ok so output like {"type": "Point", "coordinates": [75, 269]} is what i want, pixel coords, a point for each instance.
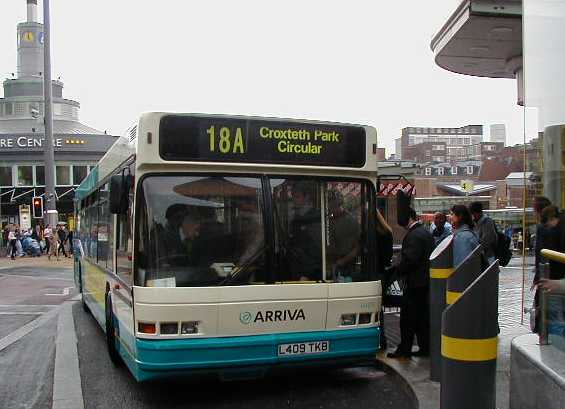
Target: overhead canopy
{"type": "Point", "coordinates": [482, 38]}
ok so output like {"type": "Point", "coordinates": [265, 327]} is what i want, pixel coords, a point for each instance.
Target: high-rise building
{"type": "Point", "coordinates": [498, 133]}
{"type": "Point", "coordinates": [78, 147]}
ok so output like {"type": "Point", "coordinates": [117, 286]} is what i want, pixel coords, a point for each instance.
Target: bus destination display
{"type": "Point", "coordinates": [221, 139]}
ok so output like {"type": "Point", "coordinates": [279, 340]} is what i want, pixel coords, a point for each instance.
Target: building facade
{"type": "Point", "coordinates": [77, 147]}
{"type": "Point", "coordinates": [455, 140]}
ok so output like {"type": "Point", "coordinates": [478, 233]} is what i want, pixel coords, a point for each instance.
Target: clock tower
{"type": "Point", "coordinates": [30, 44]}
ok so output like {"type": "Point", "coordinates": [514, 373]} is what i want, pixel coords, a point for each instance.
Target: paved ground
{"type": "Point", "coordinates": [30, 294]}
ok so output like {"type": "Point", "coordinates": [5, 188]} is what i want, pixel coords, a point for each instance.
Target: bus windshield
{"type": "Point", "coordinates": [224, 230]}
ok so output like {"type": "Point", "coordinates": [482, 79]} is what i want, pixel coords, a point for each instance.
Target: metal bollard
{"type": "Point", "coordinates": [469, 346]}
{"type": "Point", "coordinates": [465, 273]}
{"type": "Point", "coordinates": [441, 267]}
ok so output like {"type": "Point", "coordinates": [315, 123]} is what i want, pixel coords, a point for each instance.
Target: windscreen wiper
{"type": "Point", "coordinates": [244, 268]}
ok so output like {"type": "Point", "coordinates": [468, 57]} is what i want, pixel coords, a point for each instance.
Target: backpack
{"type": "Point", "coordinates": [502, 251]}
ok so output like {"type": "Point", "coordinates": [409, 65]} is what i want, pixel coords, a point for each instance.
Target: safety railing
{"type": "Point", "coordinates": [552, 301]}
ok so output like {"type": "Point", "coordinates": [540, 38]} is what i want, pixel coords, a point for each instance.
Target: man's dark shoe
{"type": "Point", "coordinates": [398, 354]}
{"type": "Point", "coordinates": [421, 353]}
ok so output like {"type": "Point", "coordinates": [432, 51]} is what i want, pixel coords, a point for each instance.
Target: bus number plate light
{"type": "Point", "coordinates": [189, 327]}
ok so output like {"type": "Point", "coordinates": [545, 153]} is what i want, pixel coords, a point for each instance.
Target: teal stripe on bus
{"type": "Point", "coordinates": [160, 358]}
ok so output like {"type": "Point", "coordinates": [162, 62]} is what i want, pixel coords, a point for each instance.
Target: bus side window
{"type": "Point", "coordinates": [124, 242]}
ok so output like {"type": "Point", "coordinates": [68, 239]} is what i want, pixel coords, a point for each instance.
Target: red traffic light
{"type": "Point", "coordinates": [37, 209]}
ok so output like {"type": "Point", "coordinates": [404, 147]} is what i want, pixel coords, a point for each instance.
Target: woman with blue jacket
{"type": "Point", "coordinates": [464, 238]}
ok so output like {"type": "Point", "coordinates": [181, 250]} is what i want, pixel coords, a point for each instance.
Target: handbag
{"type": "Point", "coordinates": [393, 290]}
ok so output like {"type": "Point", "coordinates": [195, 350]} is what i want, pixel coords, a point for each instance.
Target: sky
{"type": "Point", "coordinates": [366, 62]}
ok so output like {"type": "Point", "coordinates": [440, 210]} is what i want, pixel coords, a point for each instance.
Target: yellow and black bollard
{"type": "Point", "coordinates": [465, 273]}
{"type": "Point", "coordinates": [441, 267]}
{"type": "Point", "coordinates": [469, 346]}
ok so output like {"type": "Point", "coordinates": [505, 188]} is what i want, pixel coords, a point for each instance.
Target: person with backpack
{"type": "Point", "coordinates": [486, 230]}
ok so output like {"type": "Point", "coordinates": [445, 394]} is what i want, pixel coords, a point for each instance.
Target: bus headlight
{"type": "Point", "coordinates": [169, 328]}
{"type": "Point", "coordinates": [189, 327]}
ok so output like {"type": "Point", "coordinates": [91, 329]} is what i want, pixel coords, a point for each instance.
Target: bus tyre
{"type": "Point", "coordinates": [84, 304]}
{"type": "Point", "coordinates": [110, 333]}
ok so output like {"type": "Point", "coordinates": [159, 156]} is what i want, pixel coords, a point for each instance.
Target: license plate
{"type": "Point", "coordinates": [304, 348]}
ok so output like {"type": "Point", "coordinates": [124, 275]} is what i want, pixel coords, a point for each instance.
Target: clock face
{"type": "Point", "coordinates": [28, 36]}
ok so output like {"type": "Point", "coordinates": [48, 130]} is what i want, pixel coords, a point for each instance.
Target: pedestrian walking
{"type": "Point", "coordinates": [485, 229]}
{"type": "Point", "coordinates": [47, 233]}
{"type": "Point", "coordinates": [465, 240]}
{"type": "Point", "coordinates": [53, 247]}
{"type": "Point", "coordinates": [414, 265]}
{"type": "Point", "coordinates": [12, 239]}
{"type": "Point", "coordinates": [62, 237]}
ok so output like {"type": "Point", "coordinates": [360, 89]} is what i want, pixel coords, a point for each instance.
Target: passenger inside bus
{"type": "Point", "coordinates": [248, 230]}
{"type": "Point", "coordinates": [170, 250]}
{"type": "Point", "coordinates": [305, 245]}
{"type": "Point", "coordinates": [344, 239]}
{"type": "Point", "coordinates": [189, 232]}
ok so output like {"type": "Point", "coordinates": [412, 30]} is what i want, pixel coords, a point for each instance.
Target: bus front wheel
{"type": "Point", "coordinates": [111, 333]}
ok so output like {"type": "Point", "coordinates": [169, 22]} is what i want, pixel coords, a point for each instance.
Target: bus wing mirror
{"type": "Point", "coordinates": [402, 208]}
{"type": "Point", "coordinates": [118, 194]}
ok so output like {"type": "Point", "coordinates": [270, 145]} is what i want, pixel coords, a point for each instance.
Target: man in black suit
{"type": "Point", "coordinates": [414, 267]}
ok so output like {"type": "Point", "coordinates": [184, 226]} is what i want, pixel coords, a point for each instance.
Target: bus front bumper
{"type": "Point", "coordinates": [246, 354]}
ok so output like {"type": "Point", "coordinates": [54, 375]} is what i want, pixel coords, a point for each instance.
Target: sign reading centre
{"type": "Point", "coordinates": [26, 142]}
{"type": "Point", "coordinates": [202, 138]}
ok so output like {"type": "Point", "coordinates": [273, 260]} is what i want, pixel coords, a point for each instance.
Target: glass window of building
{"type": "Point", "coordinates": [428, 171]}
{"type": "Point", "coordinates": [6, 176]}
{"type": "Point", "coordinates": [440, 171]}
{"type": "Point", "coordinates": [454, 170]}
{"type": "Point", "coordinates": [40, 175]}
{"type": "Point", "coordinates": [25, 176]}
{"type": "Point", "coordinates": [63, 175]}
{"type": "Point", "coordinates": [79, 173]}
{"type": "Point", "coordinates": [469, 170]}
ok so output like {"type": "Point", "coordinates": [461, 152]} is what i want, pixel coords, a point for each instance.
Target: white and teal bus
{"type": "Point", "coordinates": [232, 245]}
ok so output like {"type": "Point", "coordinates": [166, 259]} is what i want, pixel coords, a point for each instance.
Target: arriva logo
{"type": "Point", "coordinates": [245, 317]}
{"type": "Point", "coordinates": [272, 316]}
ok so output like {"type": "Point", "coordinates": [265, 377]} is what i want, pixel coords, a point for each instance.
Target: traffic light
{"type": "Point", "coordinates": [37, 204]}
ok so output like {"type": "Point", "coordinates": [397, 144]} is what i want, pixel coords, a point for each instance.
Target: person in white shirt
{"type": "Point", "coordinates": [12, 239]}
{"type": "Point", "coordinates": [47, 233]}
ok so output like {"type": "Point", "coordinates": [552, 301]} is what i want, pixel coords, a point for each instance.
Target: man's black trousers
{"type": "Point", "coordinates": [415, 319]}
